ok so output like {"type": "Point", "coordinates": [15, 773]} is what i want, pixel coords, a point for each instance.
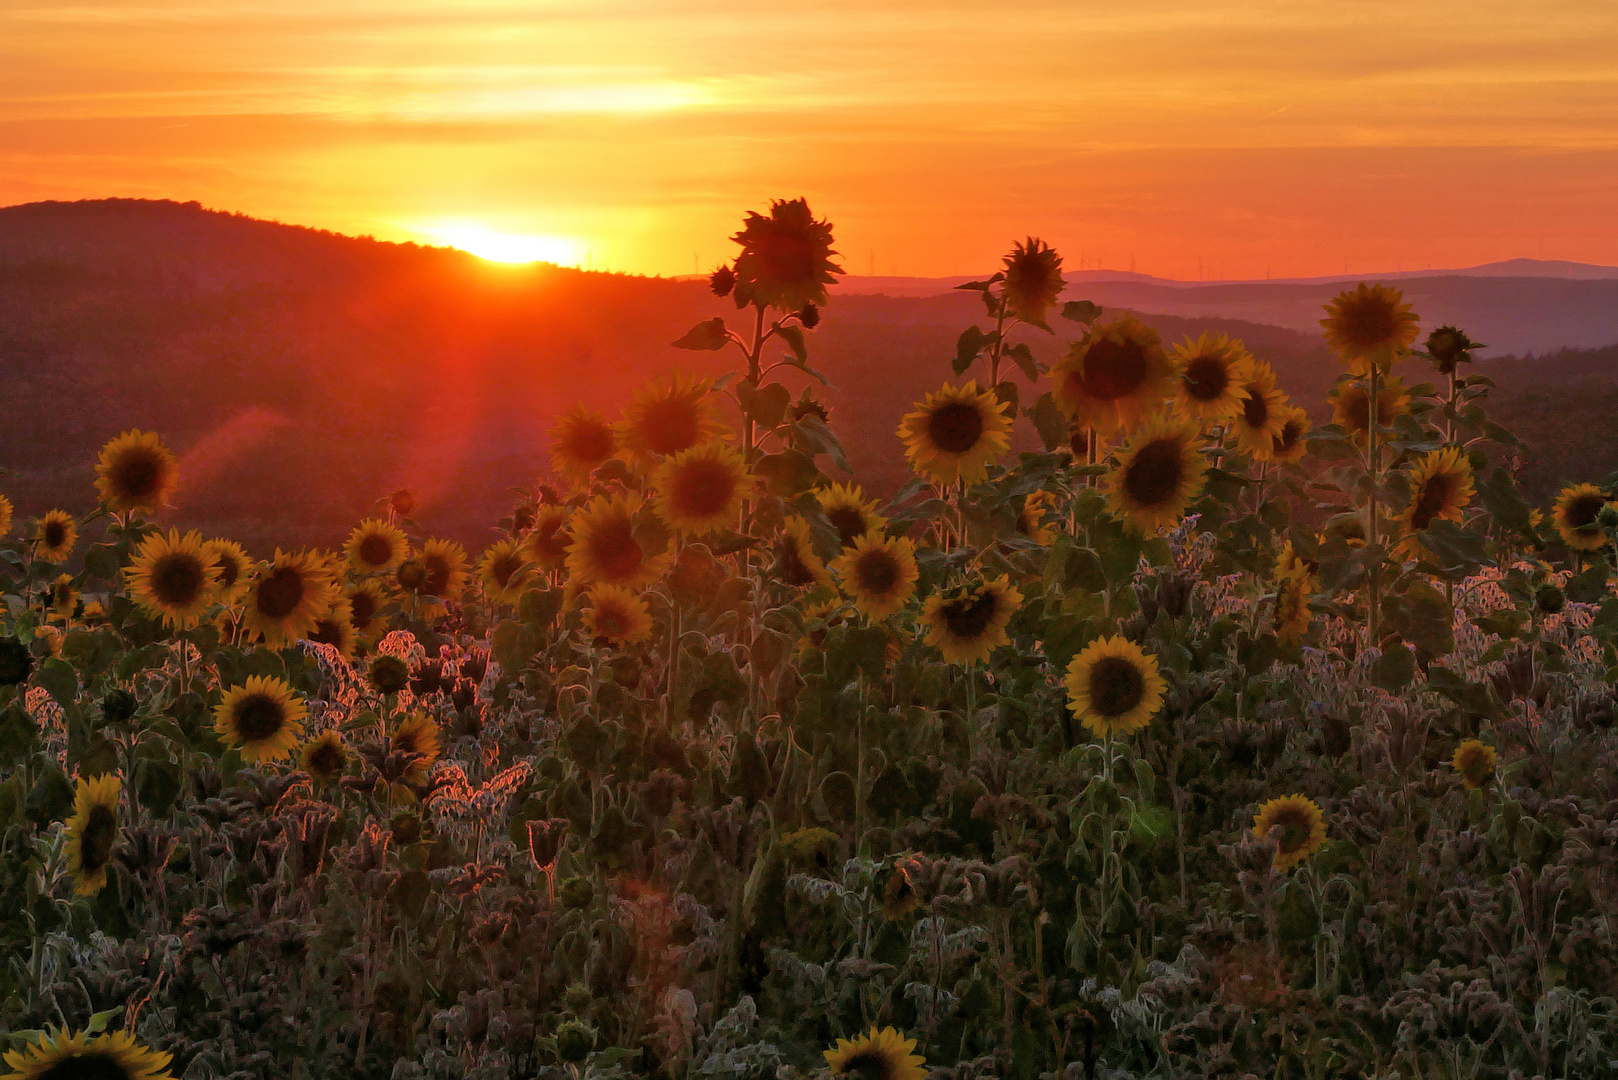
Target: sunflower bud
{"type": "Point", "coordinates": [401, 502]}
{"type": "Point", "coordinates": [721, 281]}
{"type": "Point", "coordinates": [388, 674]}
{"type": "Point", "coordinates": [574, 1042]}
{"type": "Point", "coordinates": [1607, 517]}
{"type": "Point", "coordinates": [1449, 346]}
{"type": "Point", "coordinates": [15, 662]}
{"type": "Point", "coordinates": [809, 316]}
{"type": "Point", "coordinates": [1550, 599]}
{"type": "Point", "coordinates": [118, 706]}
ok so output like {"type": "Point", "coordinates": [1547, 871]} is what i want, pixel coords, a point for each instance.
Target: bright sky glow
{"type": "Point", "coordinates": [502, 247]}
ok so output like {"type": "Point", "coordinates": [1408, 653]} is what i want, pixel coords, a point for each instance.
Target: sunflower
{"type": "Point", "coordinates": [1259, 421]}
{"type": "Point", "coordinates": [61, 1056]}
{"type": "Point", "coordinates": [700, 490]}
{"type": "Point", "coordinates": [336, 628]}
{"type": "Point", "coordinates": [262, 717]}
{"type": "Point", "coordinates": [1289, 444]}
{"type": "Point", "coordinates": [64, 599]}
{"type": "Point", "coordinates": [796, 562]}
{"type": "Point", "coordinates": [581, 441]}
{"type": "Point", "coordinates": [1575, 514]}
{"type": "Point", "coordinates": [899, 895]}
{"type": "Point", "coordinates": [1302, 825]}
{"type": "Point", "coordinates": [235, 568]}
{"type": "Point", "coordinates": [846, 507]}
{"type": "Point", "coordinates": [375, 546]}
{"type": "Point", "coordinates": [955, 433]}
{"type": "Point", "coordinates": [1291, 616]}
{"type": "Point", "coordinates": [1033, 280]}
{"type": "Point", "coordinates": [785, 262]}
{"type": "Point", "coordinates": [502, 570]}
{"type": "Point", "coordinates": [1369, 325]}
{"type": "Point", "coordinates": [285, 598]}
{"type": "Point", "coordinates": [173, 578]}
{"type": "Point", "coordinates": [618, 615]}
{"type": "Point", "coordinates": [325, 757]}
{"type": "Point", "coordinates": [1214, 372]}
{"type": "Point", "coordinates": [1114, 377]}
{"type": "Point", "coordinates": [878, 1055]}
{"type": "Point", "coordinates": [54, 536]}
{"type": "Point", "coordinates": [416, 736]}
{"type": "Point", "coordinates": [547, 542]}
{"type": "Point", "coordinates": [1475, 762]}
{"type": "Point", "coordinates": [1113, 686]}
{"type": "Point", "coordinates": [1158, 474]}
{"type": "Point", "coordinates": [968, 624]}
{"type": "Point", "coordinates": [1288, 563]}
{"type": "Point", "coordinates": [366, 599]}
{"type": "Point", "coordinates": [1351, 410]}
{"type": "Point", "coordinates": [1031, 519]}
{"type": "Point", "coordinates": [445, 564]}
{"type": "Point", "coordinates": [5, 516]}
{"type": "Point", "coordinates": [665, 419]}
{"type": "Point", "coordinates": [92, 831]}
{"type": "Point", "coordinates": [879, 573]}
{"type": "Point", "coordinates": [1440, 487]}
{"type": "Point", "coordinates": [136, 472]}
{"type": "Point", "coordinates": [605, 549]}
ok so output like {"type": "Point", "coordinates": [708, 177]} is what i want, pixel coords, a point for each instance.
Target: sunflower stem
{"type": "Point", "coordinates": [1374, 458]}
{"type": "Point", "coordinates": [971, 714]}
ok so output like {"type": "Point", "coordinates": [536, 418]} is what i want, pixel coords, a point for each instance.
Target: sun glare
{"type": "Point", "coordinates": [504, 247]}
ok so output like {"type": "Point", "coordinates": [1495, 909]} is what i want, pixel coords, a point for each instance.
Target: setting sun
{"type": "Point", "coordinates": [503, 247]}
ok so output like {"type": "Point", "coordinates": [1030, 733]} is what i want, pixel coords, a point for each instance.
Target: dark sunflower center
{"type": "Point", "coordinates": [969, 616]}
{"type": "Point", "coordinates": [280, 593]}
{"type": "Point", "coordinates": [328, 632]}
{"type": "Point", "coordinates": [1369, 322]}
{"type": "Point", "coordinates": [1433, 499]}
{"type": "Point", "coordinates": [867, 1065]}
{"type": "Point", "coordinates": [615, 549]}
{"type": "Point", "coordinates": [1153, 477]}
{"type": "Point", "coordinates": [548, 541]}
{"type": "Point", "coordinates": [1291, 432]}
{"type": "Point", "coordinates": [590, 443]}
{"type": "Point", "coordinates": [785, 258]}
{"type": "Point", "coordinates": [1582, 511]}
{"type": "Point", "coordinates": [1116, 686]}
{"type": "Point", "coordinates": [703, 488]}
{"type": "Point", "coordinates": [1295, 828]}
{"type": "Point", "coordinates": [790, 566]}
{"type": "Point", "coordinates": [178, 579]}
{"type": "Point", "coordinates": [363, 605]}
{"type": "Point", "coordinates": [55, 533]}
{"type": "Point", "coordinates": [1206, 378]}
{"type": "Point", "coordinates": [376, 550]}
{"type": "Point", "coordinates": [137, 474]}
{"type": "Point", "coordinates": [849, 522]}
{"type": "Point", "coordinates": [502, 569]}
{"type": "Point", "coordinates": [257, 717]}
{"type": "Point", "coordinates": [86, 1066]}
{"type": "Point", "coordinates": [327, 759]}
{"type": "Point", "coordinates": [1112, 369]}
{"type": "Point", "coordinates": [1255, 410]}
{"type": "Point", "coordinates": [412, 575]}
{"type": "Point", "coordinates": [670, 426]}
{"type": "Point", "coordinates": [229, 571]}
{"type": "Point", "coordinates": [955, 428]}
{"type": "Point", "coordinates": [611, 621]}
{"type": "Point", "coordinates": [436, 582]}
{"type": "Point", "coordinates": [95, 846]}
{"type": "Point", "coordinates": [62, 595]}
{"type": "Point", "coordinates": [877, 572]}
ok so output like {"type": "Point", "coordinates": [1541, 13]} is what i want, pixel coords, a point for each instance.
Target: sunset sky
{"type": "Point", "coordinates": [1289, 138]}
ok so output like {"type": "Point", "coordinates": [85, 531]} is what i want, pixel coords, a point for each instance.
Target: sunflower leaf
{"type": "Point", "coordinates": [1024, 358]}
{"type": "Point", "coordinates": [1081, 311]}
{"type": "Point", "coordinates": [1395, 668]}
{"type": "Point", "coordinates": [709, 335]}
{"type": "Point", "coordinates": [971, 343]}
{"type": "Point", "coordinates": [766, 404]}
{"type": "Point", "coordinates": [1048, 421]}
{"type": "Point", "coordinates": [812, 433]}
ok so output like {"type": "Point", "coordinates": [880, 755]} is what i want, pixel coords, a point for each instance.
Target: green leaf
{"type": "Point", "coordinates": [1081, 311]}
{"type": "Point", "coordinates": [60, 678]}
{"type": "Point", "coordinates": [1023, 357]}
{"type": "Point", "coordinates": [1395, 668]}
{"type": "Point", "coordinates": [513, 644]}
{"type": "Point", "coordinates": [101, 561]}
{"type": "Point", "coordinates": [1505, 622]}
{"type": "Point", "coordinates": [1052, 425]}
{"type": "Point", "coordinates": [787, 474]}
{"type": "Point", "coordinates": [1589, 586]}
{"type": "Point", "coordinates": [1503, 500]}
{"type": "Point", "coordinates": [967, 347]}
{"type": "Point", "coordinates": [410, 892]}
{"type": "Point", "coordinates": [766, 404]}
{"type": "Point", "coordinates": [1006, 391]}
{"type": "Point", "coordinates": [709, 335]}
{"type": "Point", "coordinates": [99, 1021]}
{"type": "Point", "coordinates": [792, 334]}
{"type": "Point", "coordinates": [812, 433]}
{"type": "Point", "coordinates": [612, 1055]}
{"type": "Point", "coordinates": [539, 607]}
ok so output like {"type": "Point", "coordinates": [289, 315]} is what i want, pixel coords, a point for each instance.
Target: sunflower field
{"type": "Point", "coordinates": [1151, 730]}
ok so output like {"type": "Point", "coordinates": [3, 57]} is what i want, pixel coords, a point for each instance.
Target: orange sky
{"type": "Point", "coordinates": [1294, 137]}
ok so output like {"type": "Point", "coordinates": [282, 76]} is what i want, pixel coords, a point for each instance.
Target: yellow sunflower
{"type": "Point", "coordinates": [92, 831]}
{"type": "Point", "coordinates": [1475, 762]}
{"type": "Point", "coordinates": [665, 419]}
{"type": "Point", "coordinates": [54, 536]}
{"type": "Point", "coordinates": [375, 547]}
{"type": "Point", "coordinates": [136, 472]}
{"type": "Point", "coordinates": [1290, 444]}
{"type": "Point", "coordinates": [235, 570]}
{"type": "Point", "coordinates": [1291, 616]}
{"type": "Point", "coordinates": [1113, 378]}
{"type": "Point", "coordinates": [785, 261]}
{"type": "Point", "coordinates": [503, 571]}
{"type": "Point", "coordinates": [445, 563]}
{"type": "Point", "coordinates": [1302, 825]}
{"type": "Point", "coordinates": [417, 736]}
{"type": "Point", "coordinates": [1214, 372]}
{"type": "Point", "coordinates": [618, 615]}
{"type": "Point", "coordinates": [325, 757]}
{"type": "Point", "coordinates": [1440, 488]}
{"type": "Point", "coordinates": [336, 628]}
{"type": "Point", "coordinates": [1288, 562]}
{"type": "Point", "coordinates": [1575, 515]}
{"type": "Point", "coordinates": [5, 516]}
{"type": "Point", "coordinates": [970, 623]}
{"type": "Point", "coordinates": [1032, 519]}
{"type": "Point", "coordinates": [547, 542]}
{"type": "Point", "coordinates": [877, 1055]}
{"type": "Point", "coordinates": [581, 442]}
{"type": "Point", "coordinates": [899, 895]}
{"type": "Point", "coordinates": [878, 573]}
{"type": "Point", "coordinates": [1259, 422]}
{"type": "Point", "coordinates": [850, 513]}
{"type": "Point", "coordinates": [700, 490]}
{"type": "Point", "coordinates": [64, 598]}
{"type": "Point", "coordinates": [61, 1056]}
{"type": "Point", "coordinates": [1113, 686]}
{"type": "Point", "coordinates": [1369, 325]}
{"type": "Point", "coordinates": [796, 562]}
{"type": "Point", "coordinates": [1033, 280]}
{"type": "Point", "coordinates": [263, 718]}
{"type": "Point", "coordinates": [285, 597]}
{"type": "Point", "coordinates": [366, 599]}
{"type": "Point", "coordinates": [955, 433]}
{"type": "Point", "coordinates": [173, 578]}
{"type": "Point", "coordinates": [1351, 406]}
{"type": "Point", "coordinates": [605, 549]}
{"type": "Point", "coordinates": [1158, 475]}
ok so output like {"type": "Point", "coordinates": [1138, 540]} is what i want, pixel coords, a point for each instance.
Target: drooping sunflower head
{"type": "Point", "coordinates": [617, 615]}
{"type": "Point", "coordinates": [1288, 563]}
{"type": "Point", "coordinates": [445, 563]}
{"type": "Point", "coordinates": [375, 547]}
{"type": "Point", "coordinates": [878, 573]}
{"type": "Point", "coordinates": [1449, 346]}
{"type": "Point", "coordinates": [785, 261]}
{"type": "Point", "coordinates": [263, 718]}
{"type": "Point", "coordinates": [336, 628]}
{"type": "Point", "coordinates": [54, 536]}
{"type": "Point", "coordinates": [969, 623]}
{"type": "Point", "coordinates": [92, 831]}
{"type": "Point", "coordinates": [286, 596]}
{"type": "Point", "coordinates": [606, 549]}
{"type": "Point", "coordinates": [504, 571]}
{"type": "Point", "coordinates": [849, 512]}
{"type": "Point", "coordinates": [1302, 825]}
{"type": "Point", "coordinates": [416, 736]}
{"type": "Point", "coordinates": [1259, 422]}
{"type": "Point", "coordinates": [1290, 444]}
{"type": "Point", "coordinates": [1291, 616]}
{"type": "Point", "coordinates": [1112, 378]}
{"type": "Point", "coordinates": [1351, 406]}
{"type": "Point", "coordinates": [64, 598]}
{"type": "Point", "coordinates": [1575, 515]}
{"type": "Point", "coordinates": [899, 897]}
{"type": "Point", "coordinates": [1370, 324]}
{"type": "Point", "coordinates": [1440, 488]}
{"type": "Point", "coordinates": [546, 543]}
{"type": "Point", "coordinates": [796, 562]}
{"type": "Point", "coordinates": [173, 578]}
{"type": "Point", "coordinates": [1475, 762]}
{"type": "Point", "coordinates": [387, 674]}
{"type": "Point", "coordinates": [1112, 686]}
{"type": "Point", "coordinates": [366, 599]}
{"type": "Point", "coordinates": [1033, 280]}
{"type": "Point", "coordinates": [1033, 518]}
{"type": "Point", "coordinates": [325, 757]}
{"type": "Point", "coordinates": [955, 433]}
{"type": "Point", "coordinates": [876, 1055]}
{"type": "Point", "coordinates": [136, 472]}
{"type": "Point", "coordinates": [664, 419]}
{"type": "Point", "coordinates": [582, 440]}
{"type": "Point", "coordinates": [61, 1055]}
{"type": "Point", "coordinates": [235, 570]}
{"type": "Point", "coordinates": [700, 490]}
{"type": "Point", "coordinates": [1214, 372]}
{"type": "Point", "coordinates": [1158, 475]}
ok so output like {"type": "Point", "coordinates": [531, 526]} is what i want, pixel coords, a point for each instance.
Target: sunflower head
{"type": "Point", "coordinates": [54, 536]}
{"type": "Point", "coordinates": [287, 595]}
{"type": "Point", "coordinates": [876, 1055]}
{"type": "Point", "coordinates": [262, 718]}
{"type": "Point", "coordinates": [966, 625]}
{"type": "Point", "coordinates": [849, 512]}
{"type": "Point", "coordinates": [1032, 518]}
{"type": "Point", "coordinates": [618, 616]}
{"type": "Point", "coordinates": [1033, 281]}
{"type": "Point", "coordinates": [336, 628]}
{"type": "Point", "coordinates": [387, 674]}
{"type": "Point", "coordinates": [1289, 444]}
{"type": "Point", "coordinates": [64, 599]}
{"type": "Point", "coordinates": [417, 737]}
{"type": "Point", "coordinates": [608, 549]}
{"type": "Point", "coordinates": [582, 441]}
{"type": "Point", "coordinates": [92, 831]}
{"type": "Point", "coordinates": [664, 419]}
{"type": "Point", "coordinates": [174, 578]}
{"type": "Point", "coordinates": [5, 517]}
{"type": "Point", "coordinates": [785, 260]}
{"type": "Point", "coordinates": [1576, 516]}
{"type": "Point", "coordinates": [1291, 616]}
{"type": "Point", "coordinates": [1112, 378]}
{"type": "Point", "coordinates": [700, 490]}
{"type": "Point", "coordinates": [546, 543]}
{"type": "Point", "coordinates": [235, 569]}
{"type": "Point", "coordinates": [61, 1055]}
{"type": "Point", "coordinates": [366, 599]}
{"type": "Point", "coordinates": [878, 573]}
{"type": "Point", "coordinates": [445, 564]}
{"type": "Point", "coordinates": [1213, 374]}
{"type": "Point", "coordinates": [1351, 406]}
{"type": "Point", "coordinates": [955, 433]}
{"type": "Point", "coordinates": [136, 472]}
{"type": "Point", "coordinates": [1259, 421]}
{"type": "Point", "coordinates": [1302, 825]}
{"type": "Point", "coordinates": [503, 571]}
{"type": "Point", "coordinates": [325, 757]}
{"type": "Point", "coordinates": [1440, 489]}
{"type": "Point", "coordinates": [1112, 686]}
{"type": "Point", "coordinates": [1158, 475]}
{"type": "Point", "coordinates": [1369, 325]}
{"type": "Point", "coordinates": [1475, 762]}
{"type": "Point", "coordinates": [1449, 347]}
{"type": "Point", "coordinates": [376, 546]}
{"type": "Point", "coordinates": [796, 562]}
